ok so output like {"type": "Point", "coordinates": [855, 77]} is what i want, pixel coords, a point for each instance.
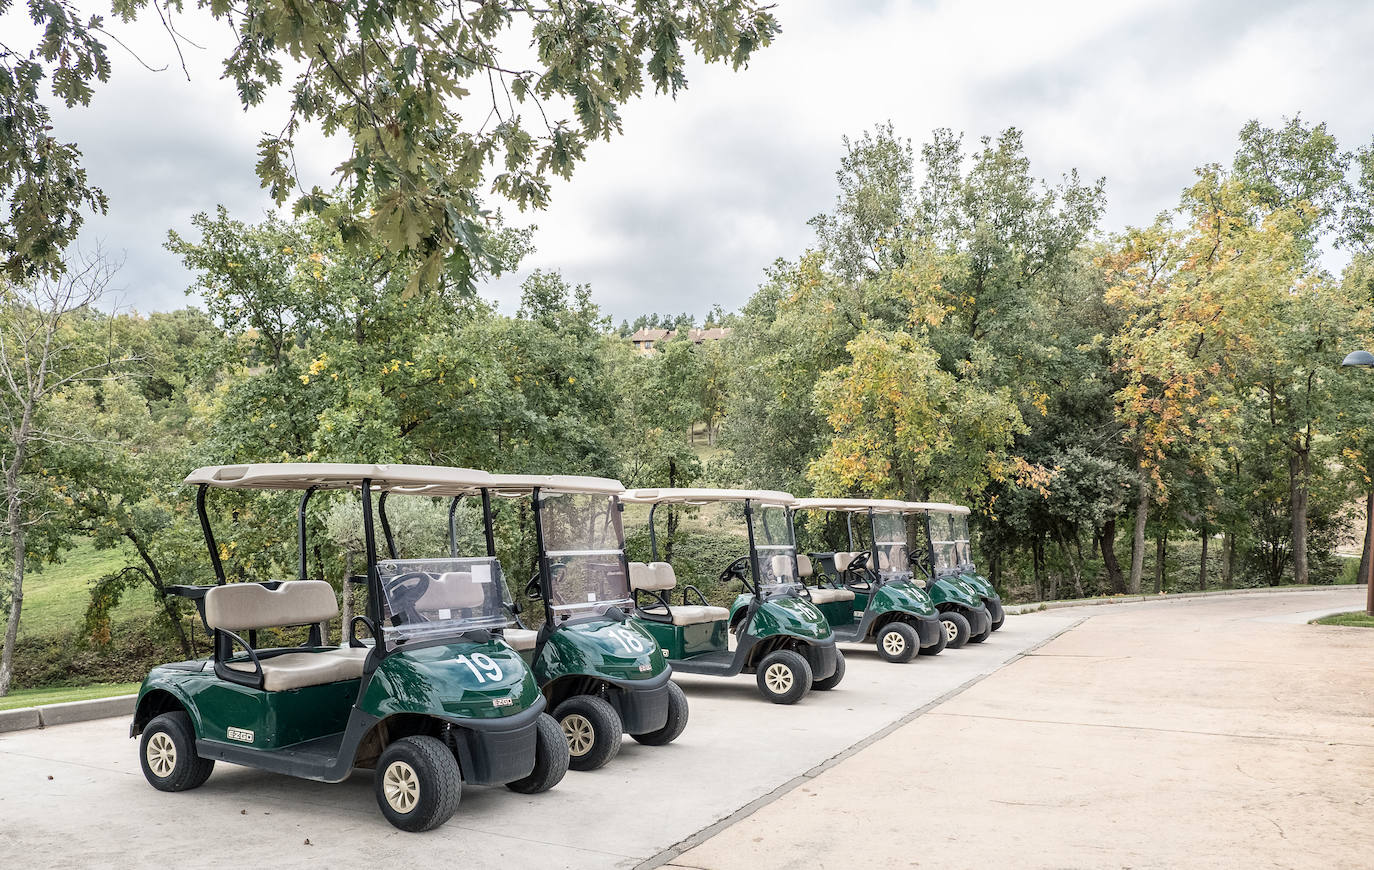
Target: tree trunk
{"type": "Point", "coordinates": [1074, 571]}
{"type": "Point", "coordinates": [1161, 556]}
{"type": "Point", "coordinates": [1116, 581]}
{"type": "Point", "coordinates": [1228, 556]}
{"type": "Point", "coordinates": [1364, 551]}
{"type": "Point", "coordinates": [1202, 569]}
{"type": "Point", "coordinates": [14, 508]}
{"type": "Point", "coordinates": [1297, 486]}
{"type": "Point", "coordinates": [1142, 511]}
{"type": "Point", "coordinates": [1038, 567]}
{"type": "Point", "coordinates": [672, 514]}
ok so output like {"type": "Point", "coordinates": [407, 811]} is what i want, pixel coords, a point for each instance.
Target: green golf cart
{"type": "Point", "coordinates": [602, 674]}
{"type": "Point", "coordinates": [780, 636]}
{"type": "Point", "coordinates": [431, 698]}
{"type": "Point", "coordinates": [948, 524]}
{"type": "Point", "coordinates": [962, 612]}
{"type": "Point", "coordinates": [868, 595]}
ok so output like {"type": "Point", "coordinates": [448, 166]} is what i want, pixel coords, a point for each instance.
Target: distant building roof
{"type": "Point", "coordinates": [645, 337]}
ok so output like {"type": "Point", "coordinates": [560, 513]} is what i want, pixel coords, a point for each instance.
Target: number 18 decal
{"type": "Point", "coordinates": [490, 670]}
{"type": "Point", "coordinates": [629, 641]}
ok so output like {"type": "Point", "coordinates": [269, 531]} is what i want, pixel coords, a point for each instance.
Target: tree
{"type": "Point", "coordinates": [40, 355]}
{"type": "Point", "coordinates": [401, 81]}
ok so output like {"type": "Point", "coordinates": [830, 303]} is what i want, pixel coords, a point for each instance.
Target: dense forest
{"type": "Point", "coordinates": [959, 330]}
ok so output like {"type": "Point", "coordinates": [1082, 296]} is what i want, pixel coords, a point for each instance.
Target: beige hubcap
{"type": "Point", "coordinates": [401, 786]}
{"type": "Point", "coordinates": [951, 630]}
{"type": "Point", "coordinates": [779, 678]}
{"type": "Point", "coordinates": [893, 643]}
{"type": "Point", "coordinates": [580, 733]}
{"type": "Point", "coordinates": [162, 755]}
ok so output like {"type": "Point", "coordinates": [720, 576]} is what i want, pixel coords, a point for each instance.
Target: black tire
{"type": "Point", "coordinates": [550, 759]}
{"type": "Point", "coordinates": [939, 646]}
{"type": "Point", "coordinates": [418, 784]}
{"type": "Point", "coordinates": [998, 624]}
{"type": "Point", "coordinates": [898, 642]}
{"type": "Point", "coordinates": [982, 635]}
{"type": "Point", "coordinates": [784, 676]}
{"type": "Point", "coordinates": [677, 719]}
{"type": "Point", "coordinates": [956, 628]}
{"type": "Point", "coordinates": [833, 680]}
{"type": "Point", "coordinates": [593, 730]}
{"type": "Point", "coordinates": [171, 739]}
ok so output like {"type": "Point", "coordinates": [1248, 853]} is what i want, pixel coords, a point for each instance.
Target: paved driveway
{"type": "Point", "coordinates": [73, 795]}
{"type": "Point", "coordinates": [1210, 732]}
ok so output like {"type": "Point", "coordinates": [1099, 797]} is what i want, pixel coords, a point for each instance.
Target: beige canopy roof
{"type": "Point", "coordinates": [936, 507]}
{"type": "Point", "coordinates": [691, 495]}
{"type": "Point", "coordinates": [432, 480]}
{"type": "Point", "coordinates": [849, 504]}
{"type": "Point", "coordinates": [514, 485]}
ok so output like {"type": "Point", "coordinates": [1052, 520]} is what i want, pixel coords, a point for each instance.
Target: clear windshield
{"type": "Point", "coordinates": [959, 528]}
{"type": "Point", "coordinates": [424, 599]}
{"type": "Point", "coordinates": [889, 539]}
{"type": "Point", "coordinates": [777, 549]}
{"type": "Point", "coordinates": [585, 548]}
{"type": "Point", "coordinates": [943, 541]}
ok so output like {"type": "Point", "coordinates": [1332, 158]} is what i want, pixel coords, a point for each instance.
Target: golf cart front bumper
{"type": "Point", "coordinates": [929, 631]}
{"type": "Point", "coordinates": [642, 704]}
{"type": "Point", "coordinates": [497, 751]}
{"type": "Point", "coordinates": [979, 621]}
{"type": "Point", "coordinates": [821, 655]}
{"type": "Point", "coordinates": [994, 606]}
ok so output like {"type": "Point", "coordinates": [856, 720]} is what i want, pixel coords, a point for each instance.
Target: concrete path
{"type": "Point", "coordinates": [1211, 732]}
{"type": "Point", "coordinates": [73, 795]}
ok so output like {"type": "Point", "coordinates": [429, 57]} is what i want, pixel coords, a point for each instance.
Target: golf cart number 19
{"type": "Point", "coordinates": [490, 670]}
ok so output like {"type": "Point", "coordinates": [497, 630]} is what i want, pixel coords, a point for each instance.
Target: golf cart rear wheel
{"type": "Point", "coordinates": [898, 642]}
{"type": "Point", "coordinates": [939, 645]}
{"type": "Point", "coordinates": [833, 680]}
{"type": "Point", "coordinates": [956, 629]}
{"type": "Point", "coordinates": [784, 676]}
{"type": "Point", "coordinates": [593, 730]}
{"type": "Point", "coordinates": [677, 719]}
{"type": "Point", "coordinates": [168, 756]}
{"type": "Point", "coordinates": [418, 785]}
{"type": "Point", "coordinates": [550, 759]}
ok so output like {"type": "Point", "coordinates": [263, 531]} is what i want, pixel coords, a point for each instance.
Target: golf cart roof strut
{"type": "Point", "coordinates": [300, 531]}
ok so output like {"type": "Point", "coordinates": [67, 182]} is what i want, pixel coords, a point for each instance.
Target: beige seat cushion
{"type": "Point", "coordinates": [297, 670]}
{"type": "Point", "coordinates": [830, 596]}
{"type": "Point", "coordinates": [696, 614]}
{"type": "Point", "coordinates": [250, 606]}
{"type": "Point", "coordinates": [653, 577]}
{"type": "Point", "coordinates": [804, 565]}
{"type": "Point", "coordinates": [451, 590]}
{"type": "Point", "coordinates": [843, 559]}
{"type": "Point", "coordinates": [521, 639]}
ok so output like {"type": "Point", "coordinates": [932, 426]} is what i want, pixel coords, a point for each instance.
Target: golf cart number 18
{"type": "Point", "coordinates": [490, 670]}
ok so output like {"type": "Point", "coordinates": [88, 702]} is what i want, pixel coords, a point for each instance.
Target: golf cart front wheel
{"type": "Point", "coordinates": [593, 730]}
{"type": "Point", "coordinates": [784, 676]}
{"type": "Point", "coordinates": [833, 680]}
{"type": "Point", "coordinates": [997, 623]}
{"type": "Point", "coordinates": [956, 628]}
{"type": "Point", "coordinates": [418, 784]}
{"type": "Point", "coordinates": [936, 648]}
{"type": "Point", "coordinates": [550, 758]}
{"type": "Point", "coordinates": [677, 719]}
{"type": "Point", "coordinates": [898, 642]}
{"type": "Point", "coordinates": [168, 756]}
{"type": "Point", "coordinates": [982, 635]}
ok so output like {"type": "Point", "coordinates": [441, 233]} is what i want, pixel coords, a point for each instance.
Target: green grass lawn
{"type": "Point", "coordinates": [34, 697]}
{"type": "Point", "coordinates": [55, 598]}
{"type": "Point", "coordinates": [1357, 618]}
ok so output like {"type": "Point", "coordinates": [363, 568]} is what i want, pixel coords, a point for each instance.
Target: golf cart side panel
{"type": "Point", "coordinates": [791, 616]}
{"type": "Point", "coordinates": [273, 720]}
{"type": "Point", "coordinates": [436, 681]}
{"type": "Point", "coordinates": [904, 596]}
{"type": "Point", "coordinates": [840, 613]}
{"type": "Point", "coordinates": [684, 641]}
{"type": "Point", "coordinates": [600, 648]}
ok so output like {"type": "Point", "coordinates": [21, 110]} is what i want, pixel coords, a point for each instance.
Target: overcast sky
{"type": "Point", "coordinates": [689, 206]}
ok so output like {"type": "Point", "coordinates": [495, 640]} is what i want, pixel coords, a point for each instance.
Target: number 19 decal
{"type": "Point", "coordinates": [629, 641]}
{"type": "Point", "coordinates": [490, 670]}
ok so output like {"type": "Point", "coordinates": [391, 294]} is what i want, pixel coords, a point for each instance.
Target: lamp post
{"type": "Point", "coordinates": [1365, 359]}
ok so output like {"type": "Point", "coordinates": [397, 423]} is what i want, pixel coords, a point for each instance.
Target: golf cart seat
{"type": "Point", "coordinates": [521, 639]}
{"type": "Point", "coordinates": [820, 595]}
{"type": "Point", "coordinates": [844, 559]}
{"type": "Point", "coordinates": [236, 607]}
{"type": "Point", "coordinates": [658, 578]}
{"type": "Point", "coordinates": [804, 567]}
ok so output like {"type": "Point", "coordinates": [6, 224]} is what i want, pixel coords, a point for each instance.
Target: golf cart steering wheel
{"type": "Point", "coordinates": [404, 591]}
{"type": "Point", "coordinates": [737, 570]}
{"type": "Point", "coordinates": [859, 562]}
{"type": "Point", "coordinates": [532, 587]}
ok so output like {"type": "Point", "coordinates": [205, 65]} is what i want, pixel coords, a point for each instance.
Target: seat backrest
{"type": "Point", "coordinates": [451, 590]}
{"type": "Point", "coordinates": [804, 568]}
{"type": "Point", "coordinates": [782, 566]}
{"type": "Point", "coordinates": [843, 560]}
{"type": "Point", "coordinates": [250, 606]}
{"type": "Point", "coordinates": [665, 578]}
{"type": "Point", "coordinates": [652, 577]}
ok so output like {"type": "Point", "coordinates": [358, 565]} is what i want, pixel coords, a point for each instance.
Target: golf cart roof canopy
{"type": "Point", "coordinates": [859, 505]}
{"type": "Point", "coordinates": [691, 495]}
{"type": "Point", "coordinates": [431, 480]}
{"type": "Point", "coordinates": [517, 485]}
{"type": "Point", "coordinates": [936, 507]}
